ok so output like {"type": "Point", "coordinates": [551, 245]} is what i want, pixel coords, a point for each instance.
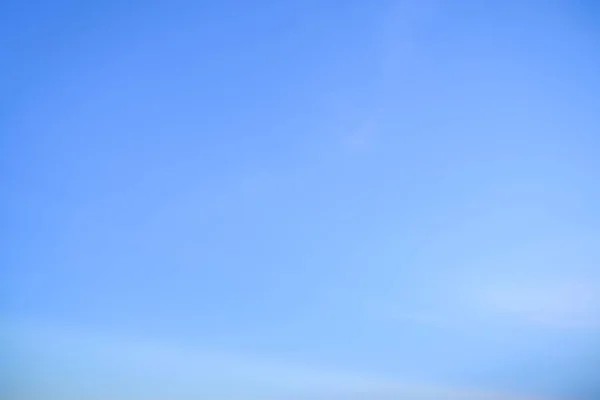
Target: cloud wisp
{"type": "Point", "coordinates": [563, 305]}
{"type": "Point", "coordinates": [152, 369]}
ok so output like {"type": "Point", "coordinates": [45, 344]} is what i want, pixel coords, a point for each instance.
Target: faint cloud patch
{"type": "Point", "coordinates": [144, 368]}
{"type": "Point", "coordinates": [566, 304]}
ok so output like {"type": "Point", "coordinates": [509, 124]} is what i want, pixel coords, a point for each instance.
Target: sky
{"type": "Point", "coordinates": [300, 199]}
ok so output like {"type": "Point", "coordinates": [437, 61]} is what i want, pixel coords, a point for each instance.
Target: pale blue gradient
{"type": "Point", "coordinates": [361, 195]}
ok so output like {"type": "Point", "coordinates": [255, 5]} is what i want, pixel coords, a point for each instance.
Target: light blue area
{"type": "Point", "coordinates": [402, 190]}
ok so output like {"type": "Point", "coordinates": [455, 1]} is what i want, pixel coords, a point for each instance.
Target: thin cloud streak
{"type": "Point", "coordinates": [183, 372]}
{"type": "Point", "coordinates": [566, 305]}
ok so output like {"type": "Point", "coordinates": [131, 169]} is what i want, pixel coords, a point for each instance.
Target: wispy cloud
{"type": "Point", "coordinates": [183, 371]}
{"type": "Point", "coordinates": [562, 304]}
{"type": "Point", "coordinates": [542, 303]}
{"type": "Point", "coordinates": [467, 303]}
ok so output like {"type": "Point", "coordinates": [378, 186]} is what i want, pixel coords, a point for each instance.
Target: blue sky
{"type": "Point", "coordinates": [310, 199]}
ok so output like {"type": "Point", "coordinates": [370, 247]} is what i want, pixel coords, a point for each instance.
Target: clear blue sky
{"type": "Point", "coordinates": [300, 199]}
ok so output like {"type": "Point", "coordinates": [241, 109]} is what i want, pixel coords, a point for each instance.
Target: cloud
{"type": "Point", "coordinates": [560, 304]}
{"type": "Point", "coordinates": [532, 301]}
{"type": "Point", "coordinates": [119, 367]}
